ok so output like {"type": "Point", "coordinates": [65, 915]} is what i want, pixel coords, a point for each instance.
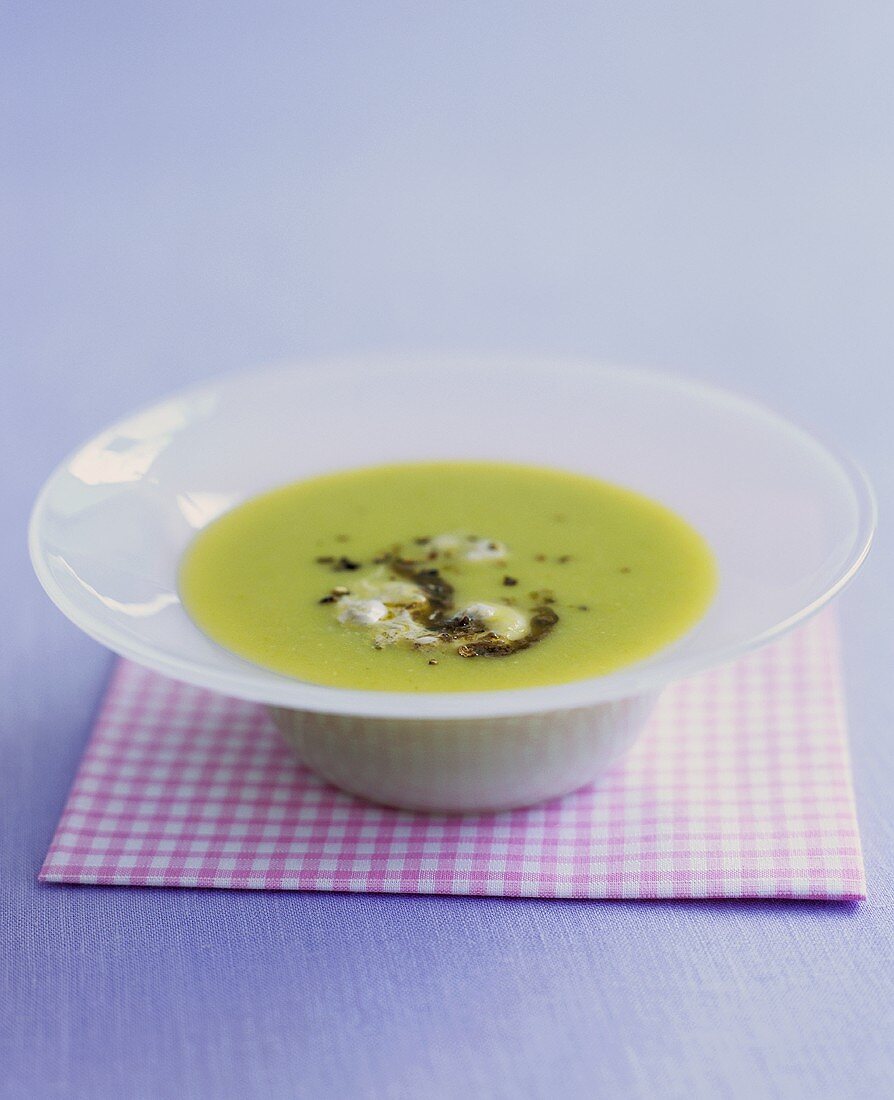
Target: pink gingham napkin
{"type": "Point", "coordinates": [740, 787]}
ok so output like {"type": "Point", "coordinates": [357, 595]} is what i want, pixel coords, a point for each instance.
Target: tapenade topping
{"type": "Point", "coordinates": [406, 599]}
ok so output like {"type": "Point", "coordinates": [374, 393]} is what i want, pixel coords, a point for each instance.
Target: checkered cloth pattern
{"type": "Point", "coordinates": [739, 787]}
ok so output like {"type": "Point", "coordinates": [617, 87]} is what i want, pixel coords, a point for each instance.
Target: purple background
{"type": "Point", "coordinates": [193, 188]}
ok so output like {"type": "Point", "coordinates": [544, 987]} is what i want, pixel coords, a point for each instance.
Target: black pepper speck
{"type": "Point", "coordinates": [345, 565]}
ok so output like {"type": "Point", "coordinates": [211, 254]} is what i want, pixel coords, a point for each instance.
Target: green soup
{"type": "Point", "coordinates": [447, 576]}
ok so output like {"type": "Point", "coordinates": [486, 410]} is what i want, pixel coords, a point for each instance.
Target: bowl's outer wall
{"type": "Point", "coordinates": [464, 766]}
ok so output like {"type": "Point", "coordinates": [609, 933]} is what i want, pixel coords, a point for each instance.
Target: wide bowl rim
{"type": "Point", "coordinates": [257, 684]}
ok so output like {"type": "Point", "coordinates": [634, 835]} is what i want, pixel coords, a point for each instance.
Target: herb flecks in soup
{"type": "Point", "coordinates": [408, 599]}
{"type": "Point", "coordinates": [447, 576]}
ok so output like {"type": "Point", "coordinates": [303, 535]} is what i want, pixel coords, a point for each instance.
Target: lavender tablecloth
{"type": "Point", "coordinates": [197, 188]}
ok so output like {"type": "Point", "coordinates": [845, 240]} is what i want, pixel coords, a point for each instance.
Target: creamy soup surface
{"type": "Point", "coordinates": [447, 576]}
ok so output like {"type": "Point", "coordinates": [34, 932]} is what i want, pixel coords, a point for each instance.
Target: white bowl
{"type": "Point", "coordinates": [789, 522]}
